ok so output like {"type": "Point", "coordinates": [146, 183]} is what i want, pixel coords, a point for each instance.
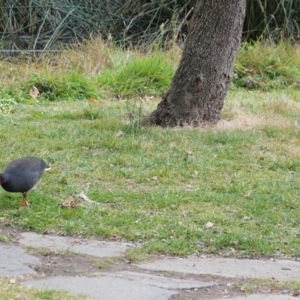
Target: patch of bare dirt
{"type": "Point", "coordinates": [242, 122]}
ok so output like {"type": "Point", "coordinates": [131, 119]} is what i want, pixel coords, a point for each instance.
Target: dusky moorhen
{"type": "Point", "coordinates": [21, 175]}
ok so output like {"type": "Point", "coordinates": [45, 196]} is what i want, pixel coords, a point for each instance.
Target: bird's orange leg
{"type": "Point", "coordinates": [24, 200]}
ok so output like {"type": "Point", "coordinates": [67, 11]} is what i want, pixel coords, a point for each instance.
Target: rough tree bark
{"type": "Point", "coordinates": [197, 92]}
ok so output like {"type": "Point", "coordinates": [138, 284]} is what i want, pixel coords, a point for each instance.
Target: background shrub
{"type": "Point", "coordinates": [42, 25]}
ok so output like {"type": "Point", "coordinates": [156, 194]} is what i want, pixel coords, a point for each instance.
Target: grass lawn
{"type": "Point", "coordinates": [159, 186]}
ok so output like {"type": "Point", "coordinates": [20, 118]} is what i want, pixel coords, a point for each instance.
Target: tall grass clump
{"type": "Point", "coordinates": [69, 86]}
{"type": "Point", "coordinates": [272, 20]}
{"type": "Point", "coordinates": [43, 26]}
{"type": "Point", "coordinates": [141, 75]}
{"type": "Point", "coordinates": [89, 56]}
{"type": "Point", "coordinates": [267, 65]}
{"type": "Point", "coordinates": [38, 25]}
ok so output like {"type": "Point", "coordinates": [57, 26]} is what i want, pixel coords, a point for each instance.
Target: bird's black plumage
{"type": "Point", "coordinates": [22, 174]}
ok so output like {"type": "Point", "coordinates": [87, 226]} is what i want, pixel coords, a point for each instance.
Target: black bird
{"type": "Point", "coordinates": [21, 175]}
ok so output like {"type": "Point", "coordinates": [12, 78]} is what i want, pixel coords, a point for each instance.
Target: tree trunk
{"type": "Point", "coordinates": [197, 92]}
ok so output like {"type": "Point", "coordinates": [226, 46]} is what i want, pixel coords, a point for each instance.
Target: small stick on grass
{"type": "Point", "coordinates": [83, 197]}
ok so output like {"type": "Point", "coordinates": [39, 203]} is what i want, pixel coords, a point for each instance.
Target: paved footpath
{"type": "Point", "coordinates": [64, 263]}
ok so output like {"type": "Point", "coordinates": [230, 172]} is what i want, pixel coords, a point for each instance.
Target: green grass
{"type": "Point", "coordinates": [267, 66]}
{"type": "Point", "coordinates": [161, 186]}
{"type": "Point", "coordinates": [157, 186]}
{"type": "Point", "coordinates": [146, 75]}
{"type": "Point", "coordinates": [56, 87]}
{"type": "Point", "coordinates": [97, 70]}
{"type": "Point", "coordinates": [260, 285]}
{"type": "Point", "coordinates": [10, 291]}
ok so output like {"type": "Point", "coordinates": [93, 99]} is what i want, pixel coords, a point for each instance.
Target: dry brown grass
{"type": "Point", "coordinates": [90, 56]}
{"type": "Point", "coordinates": [241, 122]}
{"type": "Point", "coordinates": [245, 110]}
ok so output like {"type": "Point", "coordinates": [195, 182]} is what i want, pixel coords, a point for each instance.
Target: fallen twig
{"type": "Point", "coordinates": [83, 197]}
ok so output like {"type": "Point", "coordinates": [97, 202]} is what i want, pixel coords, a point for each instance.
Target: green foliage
{"type": "Point", "coordinates": [7, 105]}
{"type": "Point", "coordinates": [146, 75]}
{"type": "Point", "coordinates": [266, 65]}
{"type": "Point", "coordinates": [133, 74]}
{"type": "Point", "coordinates": [272, 20]}
{"type": "Point", "coordinates": [53, 87]}
{"type": "Point", "coordinates": [126, 22]}
{"type": "Point", "coordinates": [131, 21]}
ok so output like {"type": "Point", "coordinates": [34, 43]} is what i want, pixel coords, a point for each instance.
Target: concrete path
{"type": "Point", "coordinates": [277, 269]}
{"type": "Point", "coordinates": [81, 246]}
{"type": "Point", "coordinates": [14, 261]}
{"type": "Point", "coordinates": [263, 297]}
{"type": "Point", "coordinates": [162, 279]}
{"type": "Point", "coordinates": [104, 288]}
